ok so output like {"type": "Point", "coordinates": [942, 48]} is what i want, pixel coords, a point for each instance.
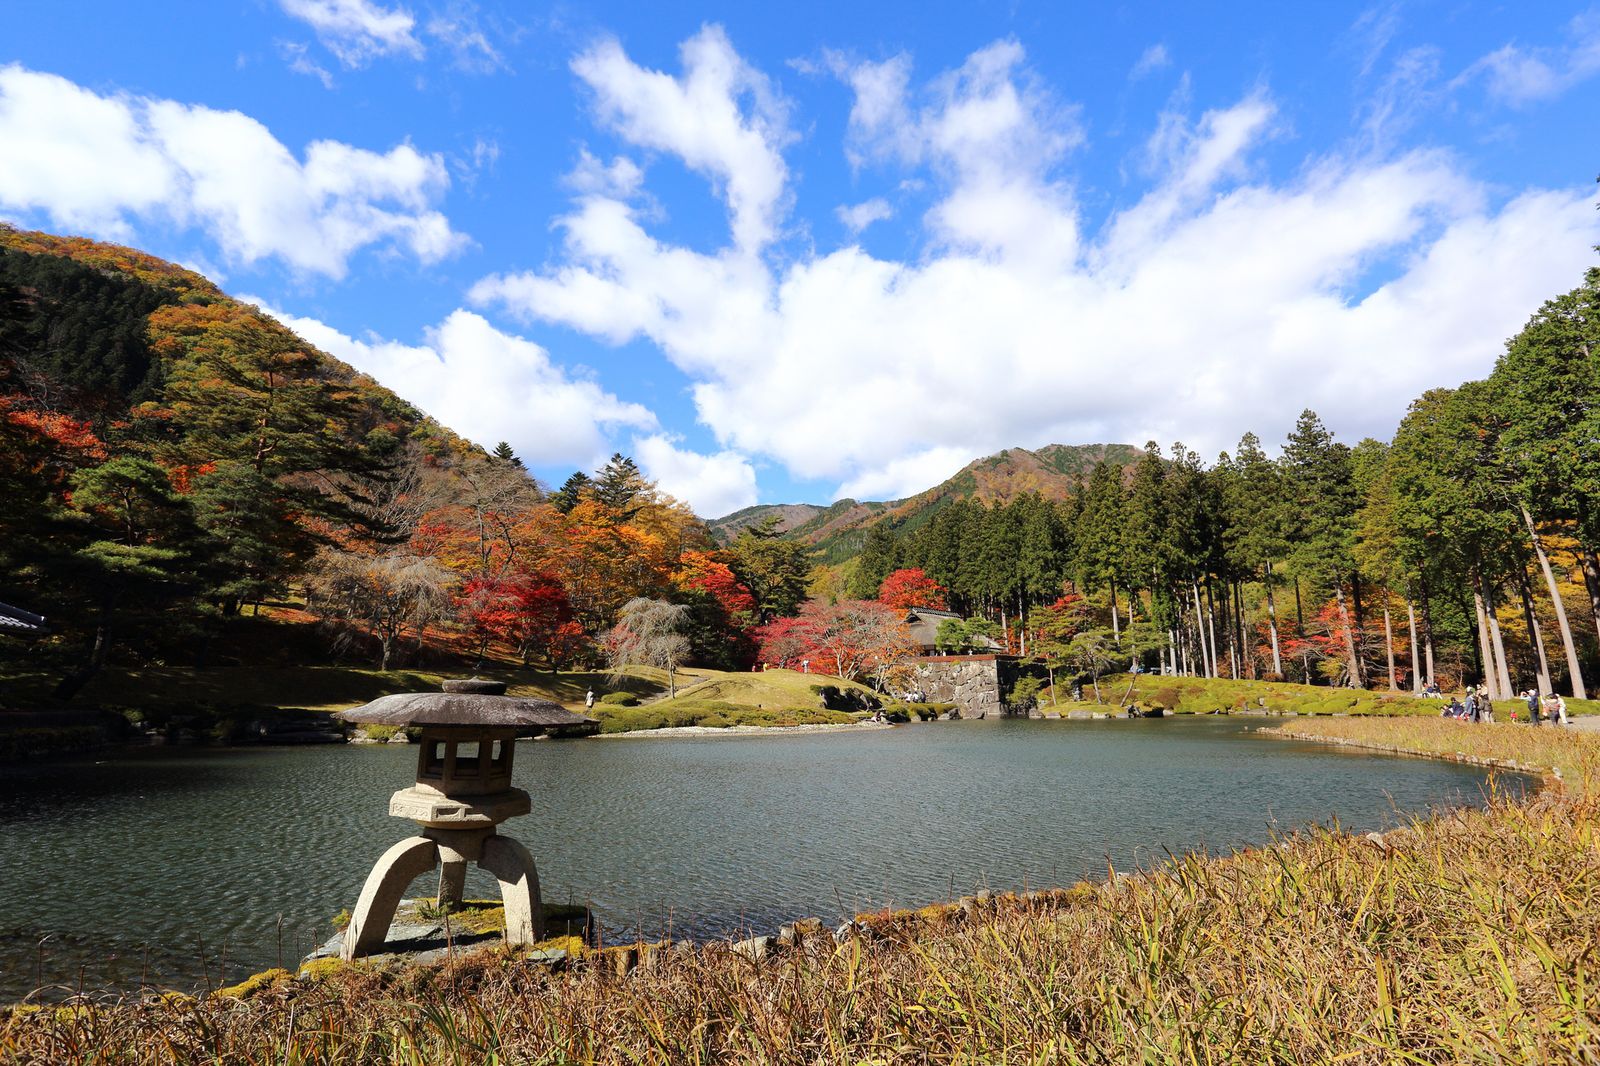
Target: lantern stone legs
{"type": "Point", "coordinates": [451, 850]}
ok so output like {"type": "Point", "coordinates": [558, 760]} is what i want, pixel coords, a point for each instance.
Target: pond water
{"type": "Point", "coordinates": [196, 866]}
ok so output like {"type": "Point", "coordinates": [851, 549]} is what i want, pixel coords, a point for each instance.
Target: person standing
{"type": "Point", "coordinates": [1533, 706]}
{"type": "Point", "coordinates": [1472, 704]}
{"type": "Point", "coordinates": [588, 699]}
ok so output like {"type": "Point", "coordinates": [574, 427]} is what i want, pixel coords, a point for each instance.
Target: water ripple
{"type": "Point", "coordinates": [170, 858]}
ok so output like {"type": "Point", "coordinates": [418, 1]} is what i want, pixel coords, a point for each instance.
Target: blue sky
{"type": "Point", "coordinates": [786, 252]}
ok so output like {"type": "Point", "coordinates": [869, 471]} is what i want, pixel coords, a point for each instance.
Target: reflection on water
{"type": "Point", "coordinates": [189, 867]}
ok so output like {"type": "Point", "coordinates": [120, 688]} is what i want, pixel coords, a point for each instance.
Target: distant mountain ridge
{"type": "Point", "coordinates": [1053, 471]}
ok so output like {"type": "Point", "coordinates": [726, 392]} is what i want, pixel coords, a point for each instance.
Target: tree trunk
{"type": "Point", "coordinates": [1485, 650]}
{"type": "Point", "coordinates": [1300, 624]}
{"type": "Point", "coordinates": [1272, 625]}
{"type": "Point", "coordinates": [1502, 667]}
{"type": "Point", "coordinates": [1591, 581]}
{"type": "Point", "coordinates": [1535, 634]}
{"type": "Point", "coordinates": [1349, 636]}
{"type": "Point", "coordinates": [1361, 627]}
{"type": "Point", "coordinates": [1211, 629]}
{"type": "Point", "coordinates": [1573, 668]}
{"type": "Point", "coordinates": [1427, 631]}
{"type": "Point", "coordinates": [1116, 627]}
{"type": "Point", "coordinates": [1388, 640]}
{"type": "Point", "coordinates": [1416, 672]}
{"type": "Point", "coordinates": [70, 685]}
{"type": "Point", "coordinates": [1230, 611]}
{"type": "Point", "coordinates": [1199, 627]}
{"type": "Point", "coordinates": [1022, 624]}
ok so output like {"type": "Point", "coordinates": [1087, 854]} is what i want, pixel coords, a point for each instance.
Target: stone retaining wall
{"type": "Point", "coordinates": [973, 683]}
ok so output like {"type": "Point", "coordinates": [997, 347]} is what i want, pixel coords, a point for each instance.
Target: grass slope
{"type": "Point", "coordinates": [719, 699]}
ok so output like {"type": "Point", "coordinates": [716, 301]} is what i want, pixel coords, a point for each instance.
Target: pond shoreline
{"type": "Point", "coordinates": [1252, 946]}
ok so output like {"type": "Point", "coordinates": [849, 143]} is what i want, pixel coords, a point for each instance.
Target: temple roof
{"type": "Point", "coordinates": [16, 622]}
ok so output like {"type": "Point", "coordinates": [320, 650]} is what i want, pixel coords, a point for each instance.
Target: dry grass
{"type": "Point", "coordinates": [1573, 755]}
{"type": "Point", "coordinates": [1470, 937]}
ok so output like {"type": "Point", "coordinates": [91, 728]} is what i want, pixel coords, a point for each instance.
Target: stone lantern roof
{"type": "Point", "coordinates": [467, 702]}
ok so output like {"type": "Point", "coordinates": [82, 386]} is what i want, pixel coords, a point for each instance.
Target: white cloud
{"type": "Point", "coordinates": [99, 163]}
{"type": "Point", "coordinates": [301, 63]}
{"type": "Point", "coordinates": [722, 118]}
{"type": "Point", "coordinates": [1220, 301]}
{"type": "Point", "coordinates": [714, 485]}
{"type": "Point", "coordinates": [459, 31]}
{"type": "Point", "coordinates": [1150, 60]}
{"type": "Point", "coordinates": [1519, 75]}
{"type": "Point", "coordinates": [357, 30]}
{"type": "Point", "coordinates": [489, 386]}
{"type": "Point", "coordinates": [858, 217]}
{"type": "Point", "coordinates": [619, 179]}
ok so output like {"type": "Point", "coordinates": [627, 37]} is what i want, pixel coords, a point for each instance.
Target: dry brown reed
{"type": "Point", "coordinates": [1472, 936]}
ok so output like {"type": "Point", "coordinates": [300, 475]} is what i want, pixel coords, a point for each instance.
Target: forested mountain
{"type": "Point", "coordinates": [1464, 549]}
{"type": "Point", "coordinates": [785, 516]}
{"type": "Point", "coordinates": [170, 456]}
{"type": "Point", "coordinates": [838, 531]}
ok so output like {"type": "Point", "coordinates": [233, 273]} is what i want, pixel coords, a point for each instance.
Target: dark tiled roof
{"type": "Point", "coordinates": [17, 622]}
{"type": "Point", "coordinates": [924, 624]}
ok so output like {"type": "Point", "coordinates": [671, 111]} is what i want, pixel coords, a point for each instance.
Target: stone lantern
{"type": "Point", "coordinates": [462, 792]}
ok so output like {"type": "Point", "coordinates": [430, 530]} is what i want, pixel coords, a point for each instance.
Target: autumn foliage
{"type": "Point", "coordinates": [909, 588]}
{"type": "Point", "coordinates": [848, 639]}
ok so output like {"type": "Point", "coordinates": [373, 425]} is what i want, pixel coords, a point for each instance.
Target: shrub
{"type": "Point", "coordinates": [620, 699]}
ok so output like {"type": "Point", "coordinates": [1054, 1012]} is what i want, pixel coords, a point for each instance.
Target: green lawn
{"type": "Point", "coordinates": [719, 699]}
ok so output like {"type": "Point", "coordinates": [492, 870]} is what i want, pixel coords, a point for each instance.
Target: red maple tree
{"type": "Point", "coordinates": [909, 588]}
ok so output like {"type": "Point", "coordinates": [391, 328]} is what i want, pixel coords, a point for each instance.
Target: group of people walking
{"type": "Point", "coordinates": [1476, 706]}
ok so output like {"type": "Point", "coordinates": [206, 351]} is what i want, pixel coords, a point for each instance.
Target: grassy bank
{"type": "Point", "coordinates": [1575, 757]}
{"type": "Point", "coordinates": [1466, 938]}
{"type": "Point", "coordinates": [719, 699]}
{"type": "Point", "coordinates": [1200, 695]}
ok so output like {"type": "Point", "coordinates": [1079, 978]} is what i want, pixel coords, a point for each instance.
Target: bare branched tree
{"type": "Point", "coordinates": [650, 633]}
{"type": "Point", "coordinates": [385, 595]}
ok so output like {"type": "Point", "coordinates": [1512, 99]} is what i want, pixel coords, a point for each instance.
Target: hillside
{"type": "Point", "coordinates": [170, 455]}
{"type": "Point", "coordinates": [837, 531]}
{"type": "Point", "coordinates": [789, 515]}
{"type": "Point", "coordinates": [96, 329]}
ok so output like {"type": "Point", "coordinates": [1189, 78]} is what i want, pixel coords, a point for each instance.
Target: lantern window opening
{"type": "Point", "coordinates": [434, 754]}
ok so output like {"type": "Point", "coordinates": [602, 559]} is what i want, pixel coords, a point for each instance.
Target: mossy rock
{"type": "Point", "coordinates": [320, 969]}
{"type": "Point", "coordinates": [266, 981]}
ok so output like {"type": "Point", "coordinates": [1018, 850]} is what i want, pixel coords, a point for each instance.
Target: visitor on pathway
{"type": "Point", "coordinates": [588, 699]}
{"type": "Point", "coordinates": [1555, 709]}
{"type": "Point", "coordinates": [1472, 703]}
{"type": "Point", "coordinates": [1532, 696]}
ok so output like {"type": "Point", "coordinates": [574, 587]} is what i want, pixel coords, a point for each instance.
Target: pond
{"type": "Point", "coordinates": [196, 866]}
